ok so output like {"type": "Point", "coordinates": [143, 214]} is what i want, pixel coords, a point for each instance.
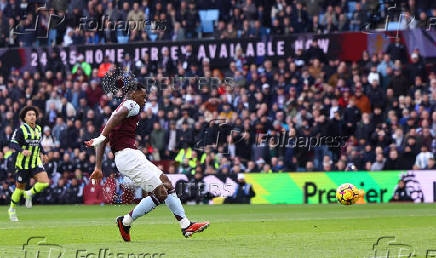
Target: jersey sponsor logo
{"type": "Point", "coordinates": [32, 142]}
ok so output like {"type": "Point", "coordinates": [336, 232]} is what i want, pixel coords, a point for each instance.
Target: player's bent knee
{"type": "Point", "coordinates": [161, 193]}
{"type": "Point", "coordinates": [163, 196]}
{"type": "Point", "coordinates": [170, 188]}
{"type": "Point", "coordinates": [43, 178]}
{"type": "Point", "coordinates": [154, 198]}
{"type": "Point", "coordinates": [167, 183]}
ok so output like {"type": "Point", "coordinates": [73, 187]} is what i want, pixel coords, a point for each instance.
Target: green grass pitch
{"type": "Point", "coordinates": [235, 231]}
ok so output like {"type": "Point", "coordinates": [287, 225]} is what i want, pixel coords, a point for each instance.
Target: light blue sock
{"type": "Point", "coordinates": [175, 205]}
{"type": "Point", "coordinates": [145, 206]}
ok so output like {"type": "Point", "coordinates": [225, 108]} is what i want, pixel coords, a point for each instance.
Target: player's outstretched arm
{"type": "Point", "coordinates": [113, 121]}
{"type": "Point", "coordinates": [97, 175]}
{"type": "Point", "coordinates": [100, 142]}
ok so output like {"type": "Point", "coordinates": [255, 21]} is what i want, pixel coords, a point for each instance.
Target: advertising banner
{"type": "Point", "coordinates": [221, 51]}
{"type": "Point", "coordinates": [320, 187]}
{"type": "Point", "coordinates": [424, 40]}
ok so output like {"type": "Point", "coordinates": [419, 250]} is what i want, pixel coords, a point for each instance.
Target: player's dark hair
{"type": "Point", "coordinates": [26, 109]}
{"type": "Point", "coordinates": [139, 86]}
{"type": "Point", "coordinates": [136, 86]}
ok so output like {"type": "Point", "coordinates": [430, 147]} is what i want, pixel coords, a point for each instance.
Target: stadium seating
{"type": "Point", "coordinates": [208, 19]}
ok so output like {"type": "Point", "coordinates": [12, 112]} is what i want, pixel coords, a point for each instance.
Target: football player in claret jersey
{"type": "Point", "coordinates": [131, 162]}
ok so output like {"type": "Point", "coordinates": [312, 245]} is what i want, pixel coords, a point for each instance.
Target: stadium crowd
{"type": "Point", "coordinates": [381, 108]}
{"type": "Point", "coordinates": [61, 22]}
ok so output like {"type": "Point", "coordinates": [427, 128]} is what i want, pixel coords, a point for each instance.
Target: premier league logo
{"type": "Point", "coordinates": [413, 187]}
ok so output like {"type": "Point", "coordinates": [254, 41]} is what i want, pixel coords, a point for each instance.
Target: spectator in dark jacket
{"type": "Point", "coordinates": [416, 68]}
{"type": "Point", "coordinates": [393, 162]}
{"type": "Point", "coordinates": [60, 192]}
{"type": "Point", "coordinates": [158, 139]}
{"type": "Point", "coordinates": [397, 50]}
{"type": "Point", "coordinates": [351, 117]}
{"type": "Point", "coordinates": [315, 52]}
{"type": "Point", "coordinates": [55, 63]}
{"type": "Point", "coordinates": [408, 158]}
{"type": "Point", "coordinates": [186, 136]}
{"type": "Point", "coordinates": [69, 135]}
{"type": "Point", "coordinates": [108, 165]}
{"type": "Point", "coordinates": [401, 193]}
{"type": "Point", "coordinates": [66, 165]}
{"type": "Point", "coordinates": [399, 83]}
{"type": "Point", "coordinates": [5, 136]}
{"type": "Point", "coordinates": [93, 93]}
{"type": "Point", "coordinates": [73, 192]}
{"type": "Point", "coordinates": [365, 128]}
{"type": "Point", "coordinates": [376, 95]}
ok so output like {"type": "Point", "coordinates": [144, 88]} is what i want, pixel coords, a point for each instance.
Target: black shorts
{"type": "Point", "coordinates": [23, 176]}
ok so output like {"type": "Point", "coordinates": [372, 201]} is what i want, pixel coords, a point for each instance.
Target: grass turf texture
{"type": "Point", "coordinates": [236, 230]}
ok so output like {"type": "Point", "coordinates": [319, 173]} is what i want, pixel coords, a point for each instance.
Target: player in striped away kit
{"type": "Point", "coordinates": [119, 131]}
{"type": "Point", "coordinates": [26, 141]}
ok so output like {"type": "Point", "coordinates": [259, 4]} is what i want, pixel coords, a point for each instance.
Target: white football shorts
{"type": "Point", "coordinates": [134, 165]}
